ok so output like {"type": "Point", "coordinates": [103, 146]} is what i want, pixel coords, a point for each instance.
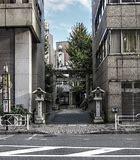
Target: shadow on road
{"type": "Point", "coordinates": [71, 116]}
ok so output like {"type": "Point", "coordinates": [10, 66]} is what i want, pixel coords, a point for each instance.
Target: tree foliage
{"type": "Point", "coordinates": [80, 48]}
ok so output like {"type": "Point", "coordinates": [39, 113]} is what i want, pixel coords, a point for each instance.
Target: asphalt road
{"type": "Point", "coordinates": [68, 147]}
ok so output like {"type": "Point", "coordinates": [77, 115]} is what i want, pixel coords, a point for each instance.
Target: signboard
{"type": "Point", "coordinates": [6, 100]}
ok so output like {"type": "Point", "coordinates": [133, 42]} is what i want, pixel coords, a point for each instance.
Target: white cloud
{"type": "Point", "coordinates": [60, 5]}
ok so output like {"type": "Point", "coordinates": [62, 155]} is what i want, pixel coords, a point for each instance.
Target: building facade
{"type": "Point", "coordinates": [116, 54]}
{"type": "Point", "coordinates": [50, 52]}
{"type": "Point", "coordinates": [21, 47]}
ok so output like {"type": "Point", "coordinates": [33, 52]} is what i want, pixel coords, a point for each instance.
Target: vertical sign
{"type": "Point", "coordinates": [6, 101]}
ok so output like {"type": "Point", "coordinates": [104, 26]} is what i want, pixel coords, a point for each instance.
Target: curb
{"type": "Point", "coordinates": [91, 133]}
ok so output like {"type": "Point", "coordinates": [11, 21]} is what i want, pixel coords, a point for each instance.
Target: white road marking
{"type": "Point", "coordinates": [6, 137]}
{"type": "Point", "coordinates": [29, 150]}
{"type": "Point", "coordinates": [94, 152]}
{"type": "Point", "coordinates": [66, 156]}
{"type": "Point", "coordinates": [30, 138]}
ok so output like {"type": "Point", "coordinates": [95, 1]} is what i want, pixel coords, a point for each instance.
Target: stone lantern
{"type": "Point", "coordinates": [98, 101]}
{"type": "Point", "coordinates": [39, 98]}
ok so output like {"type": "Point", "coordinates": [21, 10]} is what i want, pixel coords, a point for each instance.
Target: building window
{"type": "Point", "coordinates": [25, 1]}
{"type": "Point", "coordinates": [138, 42]}
{"type": "Point", "coordinates": [123, 1]}
{"type": "Point", "coordinates": [126, 1]}
{"type": "Point", "coordinates": [100, 13]}
{"type": "Point", "coordinates": [12, 1]}
{"type": "Point", "coordinates": [7, 1]}
{"type": "Point", "coordinates": [115, 41]}
{"type": "Point", "coordinates": [114, 1]}
{"type": "Point", "coordinates": [129, 41]}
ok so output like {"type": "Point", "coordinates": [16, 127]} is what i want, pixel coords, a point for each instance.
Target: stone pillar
{"type": "Point", "coordinates": [39, 118]}
{"type": "Point", "coordinates": [39, 98]}
{"type": "Point", "coordinates": [98, 101]}
{"type": "Point", "coordinates": [98, 118]}
{"type": "Point", "coordinates": [71, 99]}
{"type": "Point", "coordinates": [23, 68]}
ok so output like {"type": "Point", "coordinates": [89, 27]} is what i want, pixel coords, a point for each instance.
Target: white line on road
{"type": "Point", "coordinates": [67, 156]}
{"type": "Point", "coordinates": [94, 152]}
{"type": "Point", "coordinates": [6, 137]}
{"type": "Point", "coordinates": [28, 146]}
{"type": "Point", "coordinates": [30, 138]}
{"type": "Point", "coordinates": [29, 150]}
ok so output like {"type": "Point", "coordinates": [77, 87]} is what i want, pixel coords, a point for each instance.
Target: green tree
{"type": "Point", "coordinates": [49, 81]}
{"type": "Point", "coordinates": [80, 48]}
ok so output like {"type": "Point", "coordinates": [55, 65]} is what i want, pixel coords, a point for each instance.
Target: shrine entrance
{"type": "Point", "coordinates": [70, 88]}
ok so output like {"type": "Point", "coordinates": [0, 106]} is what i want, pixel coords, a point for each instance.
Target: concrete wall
{"type": "Point", "coordinates": [20, 15]}
{"type": "Point", "coordinates": [123, 16]}
{"type": "Point", "coordinates": [23, 68]}
{"type": "Point", "coordinates": [7, 55]}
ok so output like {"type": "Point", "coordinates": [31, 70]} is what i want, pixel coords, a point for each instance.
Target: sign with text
{"type": "Point", "coordinates": [6, 100]}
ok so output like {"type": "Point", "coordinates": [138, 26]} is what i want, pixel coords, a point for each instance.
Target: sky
{"type": "Point", "coordinates": [62, 15]}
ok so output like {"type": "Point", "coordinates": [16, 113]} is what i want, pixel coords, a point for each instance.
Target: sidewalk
{"type": "Point", "coordinates": [70, 129]}
{"type": "Point", "coordinates": [72, 121]}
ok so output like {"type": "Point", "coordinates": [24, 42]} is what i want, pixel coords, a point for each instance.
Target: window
{"type": "Point", "coordinates": [138, 42]}
{"type": "Point", "coordinates": [126, 85]}
{"type": "Point", "coordinates": [128, 1]}
{"type": "Point", "coordinates": [115, 41]}
{"type": "Point", "coordinates": [137, 85]}
{"type": "Point", "coordinates": [12, 1]}
{"type": "Point", "coordinates": [25, 1]}
{"type": "Point", "coordinates": [123, 1]}
{"type": "Point", "coordinates": [129, 41]}
{"type": "Point", "coordinates": [114, 1]}
{"type": "Point", "coordinates": [7, 1]}
{"type": "Point", "coordinates": [100, 13]}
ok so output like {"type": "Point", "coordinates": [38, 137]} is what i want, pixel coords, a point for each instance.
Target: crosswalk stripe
{"type": "Point", "coordinates": [94, 152]}
{"type": "Point", "coordinates": [29, 150]}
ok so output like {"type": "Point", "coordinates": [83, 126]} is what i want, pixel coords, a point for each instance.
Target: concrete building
{"type": "Point", "coordinates": [21, 47]}
{"type": "Point", "coordinates": [116, 54]}
{"type": "Point", "coordinates": [50, 55]}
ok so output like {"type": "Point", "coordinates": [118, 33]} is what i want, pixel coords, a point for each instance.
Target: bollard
{"type": "Point", "coordinates": [116, 122]}
{"type": "Point", "coordinates": [27, 121]}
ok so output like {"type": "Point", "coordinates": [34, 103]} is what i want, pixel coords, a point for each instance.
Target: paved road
{"type": "Point", "coordinates": [71, 116]}
{"type": "Point", "coordinates": [80, 147]}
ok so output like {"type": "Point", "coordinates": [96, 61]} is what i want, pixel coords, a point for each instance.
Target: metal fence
{"type": "Point", "coordinates": [127, 121]}
{"type": "Point", "coordinates": [15, 120]}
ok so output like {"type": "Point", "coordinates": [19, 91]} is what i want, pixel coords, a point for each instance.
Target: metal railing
{"type": "Point", "coordinates": [127, 121]}
{"type": "Point", "coordinates": [15, 120]}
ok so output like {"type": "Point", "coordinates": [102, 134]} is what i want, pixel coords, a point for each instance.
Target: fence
{"type": "Point", "coordinates": [15, 120]}
{"type": "Point", "coordinates": [127, 121]}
